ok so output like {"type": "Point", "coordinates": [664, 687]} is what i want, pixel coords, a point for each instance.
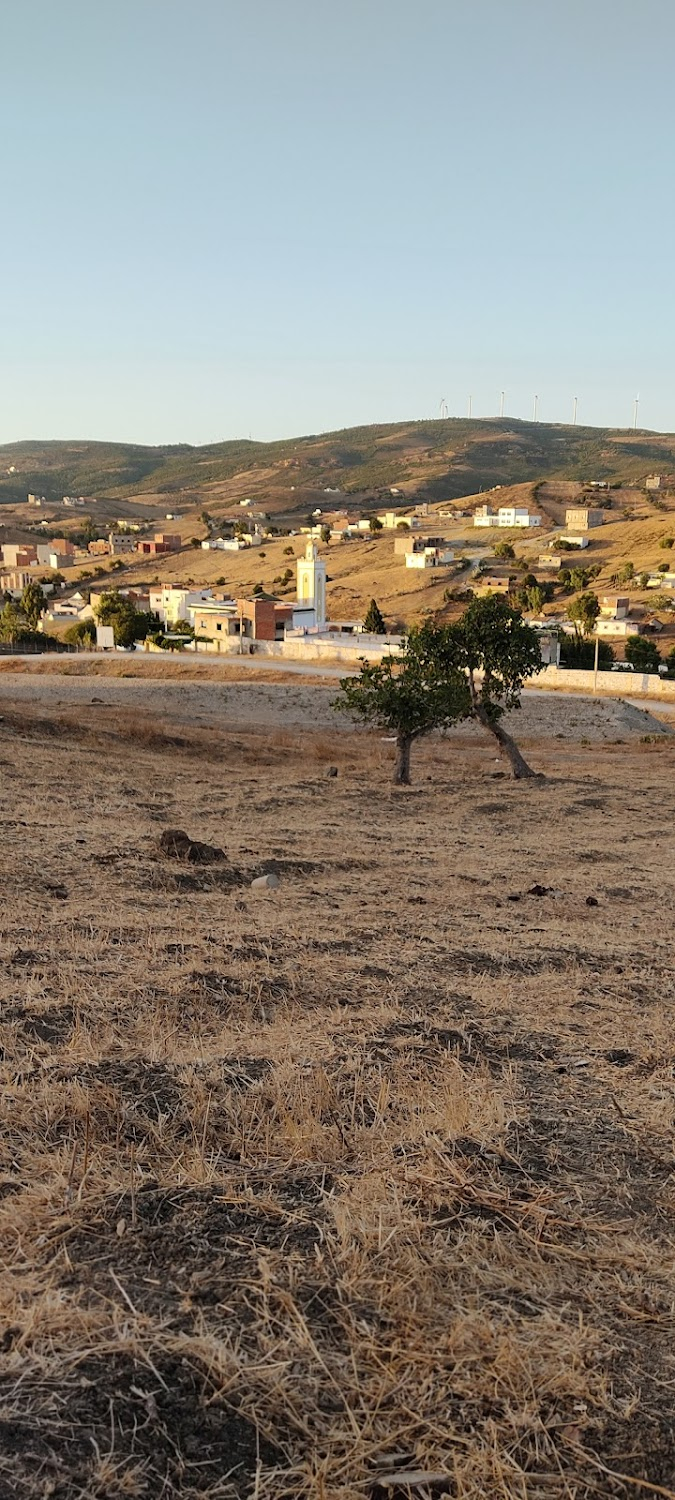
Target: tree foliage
{"type": "Point", "coordinates": [129, 624]}
{"type": "Point", "coordinates": [642, 654]}
{"type": "Point", "coordinates": [33, 604]}
{"type": "Point", "coordinates": [474, 668]}
{"type": "Point", "coordinates": [81, 633]}
{"type": "Point", "coordinates": [583, 612]}
{"type": "Point", "coordinates": [578, 653]}
{"type": "Point", "coordinates": [504, 549]}
{"type": "Point", "coordinates": [374, 622]}
{"type": "Point", "coordinates": [409, 694]}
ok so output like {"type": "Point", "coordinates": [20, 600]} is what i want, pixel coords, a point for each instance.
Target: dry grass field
{"type": "Point", "coordinates": [360, 1187]}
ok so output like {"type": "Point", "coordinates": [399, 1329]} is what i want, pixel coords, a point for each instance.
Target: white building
{"type": "Point", "coordinates": [311, 575]}
{"type": "Point", "coordinates": [512, 516]}
{"type": "Point", "coordinates": [174, 604]}
{"type": "Point", "coordinates": [429, 557]}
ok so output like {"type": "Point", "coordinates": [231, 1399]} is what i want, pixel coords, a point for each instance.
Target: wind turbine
{"type": "Point", "coordinates": [501, 404]}
{"type": "Point", "coordinates": [443, 409]}
{"type": "Point", "coordinates": [535, 407]}
{"type": "Point", "coordinates": [574, 411]}
{"type": "Point", "coordinates": [470, 406]}
{"type": "Point", "coordinates": [636, 403]}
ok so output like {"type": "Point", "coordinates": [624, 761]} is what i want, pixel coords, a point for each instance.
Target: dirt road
{"type": "Point", "coordinates": [280, 706]}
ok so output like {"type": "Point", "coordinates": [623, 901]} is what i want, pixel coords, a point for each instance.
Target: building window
{"type": "Point", "coordinates": [218, 625]}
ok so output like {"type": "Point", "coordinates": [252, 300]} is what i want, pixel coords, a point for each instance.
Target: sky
{"type": "Point", "coordinates": [233, 218]}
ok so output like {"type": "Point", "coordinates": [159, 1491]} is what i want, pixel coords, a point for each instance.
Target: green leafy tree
{"type": "Point", "coordinates": [82, 633]}
{"type": "Point", "coordinates": [666, 542]}
{"type": "Point", "coordinates": [12, 624]}
{"type": "Point", "coordinates": [626, 573]}
{"type": "Point", "coordinates": [410, 694]}
{"type": "Point", "coordinates": [374, 622]}
{"type": "Point", "coordinates": [504, 549]}
{"type": "Point", "coordinates": [535, 599]}
{"type": "Point", "coordinates": [643, 581]}
{"type": "Point", "coordinates": [579, 653]}
{"type": "Point", "coordinates": [496, 651]}
{"type": "Point", "coordinates": [326, 533]}
{"type": "Point", "coordinates": [642, 654]}
{"type": "Point", "coordinates": [670, 662]}
{"type": "Point", "coordinates": [375, 525]}
{"type": "Point", "coordinates": [33, 604]}
{"type": "Point", "coordinates": [583, 612]}
{"type": "Point", "coordinates": [129, 624]}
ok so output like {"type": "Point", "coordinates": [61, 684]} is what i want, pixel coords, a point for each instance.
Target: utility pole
{"type": "Point", "coordinates": [574, 411]}
{"type": "Point", "coordinates": [501, 404]}
{"type": "Point", "coordinates": [534, 413]}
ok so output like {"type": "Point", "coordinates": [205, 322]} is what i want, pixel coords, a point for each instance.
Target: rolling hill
{"type": "Point", "coordinates": [435, 460]}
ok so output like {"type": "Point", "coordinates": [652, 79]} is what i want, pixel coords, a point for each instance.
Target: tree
{"type": "Point", "coordinates": [535, 599]}
{"type": "Point", "coordinates": [503, 549]}
{"type": "Point", "coordinates": [82, 633]}
{"type": "Point", "coordinates": [326, 533]}
{"type": "Point", "coordinates": [666, 542]}
{"type": "Point", "coordinates": [374, 622]}
{"type": "Point", "coordinates": [643, 581]}
{"type": "Point", "coordinates": [375, 525]}
{"type": "Point", "coordinates": [33, 604]}
{"type": "Point", "coordinates": [129, 624]}
{"type": "Point", "coordinates": [583, 612]}
{"type": "Point", "coordinates": [496, 651]}
{"type": "Point", "coordinates": [409, 694]}
{"type": "Point", "coordinates": [579, 653]}
{"type": "Point", "coordinates": [670, 662]}
{"type": "Point", "coordinates": [642, 654]}
{"type": "Point", "coordinates": [12, 624]}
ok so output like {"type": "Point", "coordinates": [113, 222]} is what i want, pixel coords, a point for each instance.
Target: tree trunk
{"type": "Point", "coordinates": [507, 746]}
{"type": "Point", "coordinates": [402, 762]}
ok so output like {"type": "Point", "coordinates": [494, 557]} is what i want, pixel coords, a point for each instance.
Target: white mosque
{"type": "Point", "coordinates": [310, 610]}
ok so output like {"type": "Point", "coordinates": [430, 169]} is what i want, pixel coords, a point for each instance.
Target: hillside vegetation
{"type": "Point", "coordinates": [436, 459]}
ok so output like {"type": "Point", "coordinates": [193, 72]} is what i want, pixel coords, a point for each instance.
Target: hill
{"type": "Point", "coordinates": [435, 460]}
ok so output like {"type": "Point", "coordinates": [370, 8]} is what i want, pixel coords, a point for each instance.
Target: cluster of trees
{"type": "Point", "coordinates": [473, 669]}
{"type": "Point", "coordinates": [129, 623]}
{"type": "Point", "coordinates": [578, 578]}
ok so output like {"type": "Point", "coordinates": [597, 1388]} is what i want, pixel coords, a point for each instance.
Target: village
{"type": "Point", "coordinates": [97, 595]}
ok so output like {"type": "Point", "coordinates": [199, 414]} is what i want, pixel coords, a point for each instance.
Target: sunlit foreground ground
{"type": "Point", "coordinates": [365, 1177]}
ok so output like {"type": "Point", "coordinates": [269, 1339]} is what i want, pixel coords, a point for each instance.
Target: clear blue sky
{"type": "Point", "coordinates": [223, 217]}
